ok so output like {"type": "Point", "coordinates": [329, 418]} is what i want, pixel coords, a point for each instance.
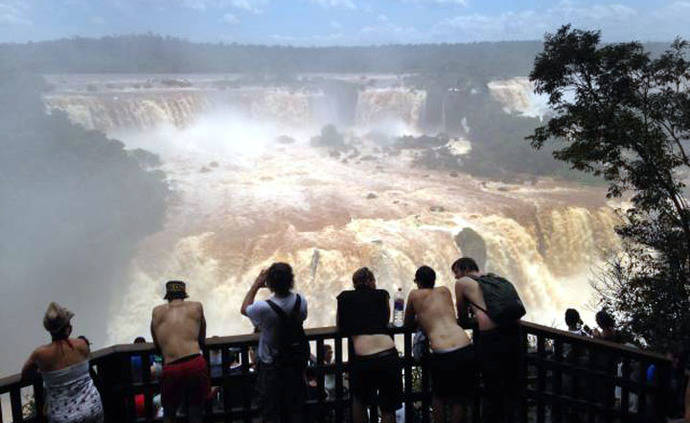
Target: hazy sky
{"type": "Point", "coordinates": [341, 22]}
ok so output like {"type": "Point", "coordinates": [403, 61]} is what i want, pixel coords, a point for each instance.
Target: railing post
{"type": "Point", "coordinates": [339, 372]}
{"type": "Point", "coordinates": [407, 369]}
{"type": "Point", "coordinates": [39, 400]}
{"type": "Point", "coordinates": [625, 391]}
{"type": "Point", "coordinates": [16, 403]}
{"type": "Point", "coordinates": [557, 383]}
{"type": "Point", "coordinates": [541, 379]}
{"type": "Point", "coordinates": [523, 366]}
{"type": "Point", "coordinates": [148, 389]}
{"type": "Point", "coordinates": [320, 379]}
{"type": "Point", "coordinates": [247, 396]}
{"type": "Point", "coordinates": [112, 375]}
{"type": "Point", "coordinates": [661, 390]}
{"type": "Point", "coordinates": [225, 385]}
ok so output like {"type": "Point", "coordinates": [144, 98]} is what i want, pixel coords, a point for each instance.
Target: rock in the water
{"type": "Point", "coordinates": [471, 244]}
{"type": "Point", "coordinates": [371, 196]}
{"type": "Point", "coordinates": [284, 139]}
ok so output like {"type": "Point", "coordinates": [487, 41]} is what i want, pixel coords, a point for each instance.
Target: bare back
{"type": "Point", "coordinates": [60, 354]}
{"type": "Point", "coordinates": [466, 289]}
{"type": "Point", "coordinates": [436, 315]}
{"type": "Point", "coordinates": [177, 327]}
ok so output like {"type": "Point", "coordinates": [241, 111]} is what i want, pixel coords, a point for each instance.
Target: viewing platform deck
{"type": "Point", "coordinates": [555, 387]}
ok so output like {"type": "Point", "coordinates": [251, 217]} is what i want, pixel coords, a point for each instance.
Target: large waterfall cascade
{"type": "Point", "coordinates": [242, 201]}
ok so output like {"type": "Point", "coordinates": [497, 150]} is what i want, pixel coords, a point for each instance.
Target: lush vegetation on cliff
{"type": "Point", "coordinates": [629, 123]}
{"type": "Point", "coordinates": [75, 205]}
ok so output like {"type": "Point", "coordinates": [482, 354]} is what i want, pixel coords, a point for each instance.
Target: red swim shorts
{"type": "Point", "coordinates": [185, 381]}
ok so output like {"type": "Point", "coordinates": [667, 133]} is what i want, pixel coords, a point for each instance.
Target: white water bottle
{"type": "Point", "coordinates": [398, 308]}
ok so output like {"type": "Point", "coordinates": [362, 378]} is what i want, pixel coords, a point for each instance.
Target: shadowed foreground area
{"type": "Point", "coordinates": [606, 382]}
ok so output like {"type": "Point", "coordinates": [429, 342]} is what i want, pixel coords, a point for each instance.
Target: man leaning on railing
{"type": "Point", "coordinates": [179, 332]}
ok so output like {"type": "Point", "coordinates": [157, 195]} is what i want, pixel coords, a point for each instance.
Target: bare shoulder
{"type": "Point", "coordinates": [195, 305]}
{"type": "Point", "coordinates": [442, 289]}
{"type": "Point", "coordinates": [158, 311]}
{"type": "Point", "coordinates": [466, 282]}
{"type": "Point", "coordinates": [195, 308]}
{"type": "Point", "coordinates": [40, 352]}
{"type": "Point", "coordinates": [81, 345]}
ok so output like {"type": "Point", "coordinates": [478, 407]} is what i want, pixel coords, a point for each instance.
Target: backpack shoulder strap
{"type": "Point", "coordinates": [478, 280]}
{"type": "Point", "coordinates": [297, 307]}
{"type": "Point", "coordinates": [276, 308]}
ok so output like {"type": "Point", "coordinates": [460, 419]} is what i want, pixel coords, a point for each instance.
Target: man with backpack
{"type": "Point", "coordinates": [283, 348]}
{"type": "Point", "coordinates": [497, 309]}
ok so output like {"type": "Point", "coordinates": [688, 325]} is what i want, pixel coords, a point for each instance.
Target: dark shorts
{"type": "Point", "coordinates": [454, 373]}
{"type": "Point", "coordinates": [498, 353]}
{"type": "Point", "coordinates": [377, 379]}
{"type": "Point", "coordinates": [281, 391]}
{"type": "Point", "coordinates": [185, 382]}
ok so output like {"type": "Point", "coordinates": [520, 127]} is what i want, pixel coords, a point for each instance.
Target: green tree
{"type": "Point", "coordinates": [624, 115]}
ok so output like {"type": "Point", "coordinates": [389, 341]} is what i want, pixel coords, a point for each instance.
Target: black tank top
{"type": "Point", "coordinates": [364, 311]}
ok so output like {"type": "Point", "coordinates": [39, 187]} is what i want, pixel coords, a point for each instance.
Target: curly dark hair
{"type": "Point", "coordinates": [361, 277]}
{"type": "Point", "coordinates": [280, 279]}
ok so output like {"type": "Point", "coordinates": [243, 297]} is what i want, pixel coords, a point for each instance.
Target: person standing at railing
{"type": "Point", "coordinates": [283, 347]}
{"type": "Point", "coordinates": [363, 314]}
{"type": "Point", "coordinates": [497, 309]}
{"type": "Point", "coordinates": [603, 389]}
{"type": "Point", "coordinates": [71, 395]}
{"type": "Point", "coordinates": [452, 361]}
{"type": "Point", "coordinates": [179, 332]}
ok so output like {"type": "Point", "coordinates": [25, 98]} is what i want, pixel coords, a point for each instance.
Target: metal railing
{"type": "Point", "coordinates": [564, 378]}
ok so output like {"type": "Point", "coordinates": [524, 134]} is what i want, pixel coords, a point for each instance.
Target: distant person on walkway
{"type": "Point", "coordinates": [604, 389]}
{"type": "Point", "coordinates": [363, 314]}
{"type": "Point", "coordinates": [283, 348]}
{"type": "Point", "coordinates": [178, 329]}
{"type": "Point", "coordinates": [71, 395]}
{"type": "Point", "coordinates": [607, 328]}
{"type": "Point", "coordinates": [497, 309]}
{"type": "Point", "coordinates": [574, 323]}
{"type": "Point", "coordinates": [452, 361]}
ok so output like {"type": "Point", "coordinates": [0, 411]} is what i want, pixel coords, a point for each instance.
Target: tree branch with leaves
{"type": "Point", "coordinates": [623, 115]}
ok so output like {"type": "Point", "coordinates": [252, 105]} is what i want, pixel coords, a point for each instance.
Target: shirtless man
{"type": "Point", "coordinates": [363, 314]}
{"type": "Point", "coordinates": [179, 332]}
{"type": "Point", "coordinates": [498, 347]}
{"type": "Point", "coordinates": [452, 366]}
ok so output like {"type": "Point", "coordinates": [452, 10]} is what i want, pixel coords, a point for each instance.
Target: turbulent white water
{"type": "Point", "coordinates": [243, 200]}
{"type": "Point", "coordinates": [517, 96]}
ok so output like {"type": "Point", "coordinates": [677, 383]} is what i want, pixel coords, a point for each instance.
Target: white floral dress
{"type": "Point", "coordinates": [71, 396]}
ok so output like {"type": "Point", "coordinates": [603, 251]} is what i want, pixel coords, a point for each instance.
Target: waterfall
{"type": "Point", "coordinates": [517, 96]}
